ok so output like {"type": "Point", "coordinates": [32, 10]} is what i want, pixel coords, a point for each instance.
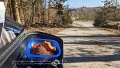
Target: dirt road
{"type": "Point", "coordinates": [86, 46]}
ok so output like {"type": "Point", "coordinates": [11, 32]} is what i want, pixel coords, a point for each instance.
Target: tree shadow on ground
{"type": "Point", "coordinates": [104, 58]}
{"type": "Point", "coordinates": [96, 36]}
{"type": "Point", "coordinates": [89, 56]}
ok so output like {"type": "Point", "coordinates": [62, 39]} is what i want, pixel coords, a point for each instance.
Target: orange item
{"type": "Point", "coordinates": [50, 53]}
{"type": "Point", "coordinates": [35, 46]}
{"type": "Point", "coordinates": [40, 50]}
{"type": "Point", "coordinates": [44, 49]}
{"type": "Point", "coordinates": [48, 46]}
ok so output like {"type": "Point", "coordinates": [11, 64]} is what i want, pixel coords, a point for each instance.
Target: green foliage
{"type": "Point", "coordinates": [100, 19]}
{"type": "Point", "coordinates": [66, 18]}
{"type": "Point", "coordinates": [109, 13]}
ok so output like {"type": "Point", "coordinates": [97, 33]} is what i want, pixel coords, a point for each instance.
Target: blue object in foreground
{"type": "Point", "coordinates": [33, 41]}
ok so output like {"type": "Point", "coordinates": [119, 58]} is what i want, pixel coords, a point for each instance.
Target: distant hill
{"type": "Point", "coordinates": [84, 13]}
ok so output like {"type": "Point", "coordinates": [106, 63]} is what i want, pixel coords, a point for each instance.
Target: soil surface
{"type": "Point", "coordinates": [86, 46]}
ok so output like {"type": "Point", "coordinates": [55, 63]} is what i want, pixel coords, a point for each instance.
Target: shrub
{"type": "Point", "coordinates": [66, 19]}
{"type": "Point", "coordinates": [101, 19]}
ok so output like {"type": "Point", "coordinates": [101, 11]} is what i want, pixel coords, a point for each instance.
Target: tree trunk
{"type": "Point", "coordinates": [15, 11]}
{"type": "Point", "coordinates": [6, 2]}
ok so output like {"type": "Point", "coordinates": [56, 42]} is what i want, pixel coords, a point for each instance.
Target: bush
{"type": "Point", "coordinates": [100, 20]}
{"type": "Point", "coordinates": [66, 19]}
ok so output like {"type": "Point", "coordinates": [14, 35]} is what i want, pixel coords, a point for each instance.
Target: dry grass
{"type": "Point", "coordinates": [45, 30]}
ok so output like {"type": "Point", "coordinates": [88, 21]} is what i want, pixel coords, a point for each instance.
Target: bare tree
{"type": "Point", "coordinates": [6, 2]}
{"type": "Point", "coordinates": [15, 11]}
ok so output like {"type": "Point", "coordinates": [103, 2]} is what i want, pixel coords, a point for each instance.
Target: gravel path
{"type": "Point", "coordinates": [88, 47]}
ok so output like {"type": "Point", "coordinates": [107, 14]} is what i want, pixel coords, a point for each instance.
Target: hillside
{"type": "Point", "coordinates": [84, 13]}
